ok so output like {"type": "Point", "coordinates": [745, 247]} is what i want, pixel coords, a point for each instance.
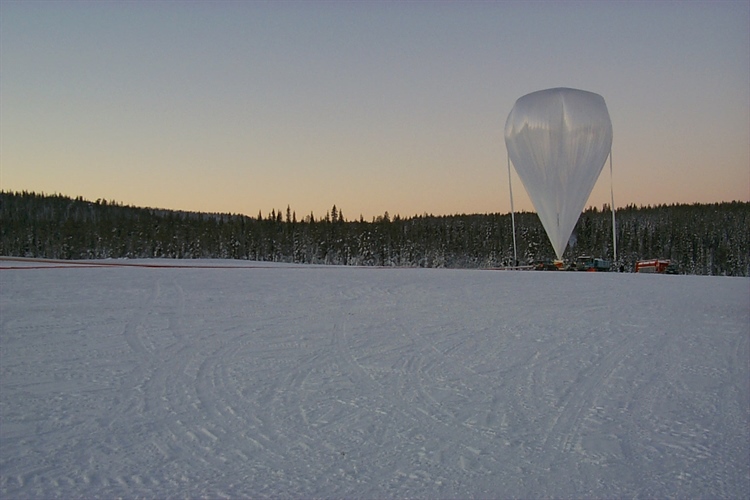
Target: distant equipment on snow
{"type": "Point", "coordinates": [558, 141]}
{"type": "Point", "coordinates": [658, 266]}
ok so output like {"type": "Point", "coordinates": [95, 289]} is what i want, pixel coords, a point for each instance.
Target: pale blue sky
{"type": "Point", "coordinates": [372, 106]}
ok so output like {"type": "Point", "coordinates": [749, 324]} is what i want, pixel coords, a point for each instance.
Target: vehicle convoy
{"type": "Point", "coordinates": [583, 263]}
{"type": "Point", "coordinates": [657, 266]}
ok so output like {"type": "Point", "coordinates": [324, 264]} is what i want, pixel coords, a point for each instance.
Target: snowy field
{"type": "Point", "coordinates": [233, 379]}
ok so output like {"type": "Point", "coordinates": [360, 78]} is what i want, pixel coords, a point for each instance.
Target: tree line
{"type": "Point", "coordinates": [707, 239]}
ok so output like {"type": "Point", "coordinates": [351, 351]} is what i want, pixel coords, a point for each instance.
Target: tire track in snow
{"type": "Point", "coordinates": [554, 392]}
{"type": "Point", "coordinates": [443, 385]}
{"type": "Point", "coordinates": [207, 417]}
{"type": "Point", "coordinates": [154, 394]}
{"type": "Point", "coordinates": [193, 376]}
{"type": "Point", "coordinates": [131, 398]}
{"type": "Point", "coordinates": [241, 425]}
{"type": "Point", "coordinates": [693, 394]}
{"type": "Point", "coordinates": [561, 438]}
{"type": "Point", "coordinates": [231, 419]}
{"type": "Point", "coordinates": [450, 440]}
{"type": "Point", "coordinates": [133, 330]}
{"type": "Point", "coordinates": [376, 416]}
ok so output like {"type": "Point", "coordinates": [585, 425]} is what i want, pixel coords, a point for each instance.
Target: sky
{"type": "Point", "coordinates": [246, 107]}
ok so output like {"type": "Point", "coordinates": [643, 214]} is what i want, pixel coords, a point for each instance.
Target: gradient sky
{"type": "Point", "coordinates": [385, 106]}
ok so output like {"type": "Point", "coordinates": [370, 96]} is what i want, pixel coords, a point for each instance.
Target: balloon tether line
{"type": "Point", "coordinates": [612, 195]}
{"type": "Point", "coordinates": [512, 216]}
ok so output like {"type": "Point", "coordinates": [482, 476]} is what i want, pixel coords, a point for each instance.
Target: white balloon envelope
{"type": "Point", "coordinates": [558, 140]}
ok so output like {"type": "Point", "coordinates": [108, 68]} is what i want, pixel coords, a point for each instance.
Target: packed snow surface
{"type": "Point", "coordinates": [225, 379]}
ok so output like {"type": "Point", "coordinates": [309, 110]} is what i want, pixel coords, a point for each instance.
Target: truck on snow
{"type": "Point", "coordinates": [592, 264]}
{"type": "Point", "coordinates": [657, 266]}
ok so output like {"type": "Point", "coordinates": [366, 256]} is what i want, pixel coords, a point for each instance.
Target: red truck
{"type": "Point", "coordinates": [658, 266]}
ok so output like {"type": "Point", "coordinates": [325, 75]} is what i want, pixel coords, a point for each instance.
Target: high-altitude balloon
{"type": "Point", "coordinates": [558, 140]}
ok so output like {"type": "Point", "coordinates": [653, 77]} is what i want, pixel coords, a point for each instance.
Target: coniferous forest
{"type": "Point", "coordinates": [707, 239]}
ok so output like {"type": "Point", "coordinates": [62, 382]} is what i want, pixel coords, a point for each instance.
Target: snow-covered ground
{"type": "Point", "coordinates": [235, 379]}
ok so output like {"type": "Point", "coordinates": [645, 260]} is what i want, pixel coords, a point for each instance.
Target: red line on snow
{"type": "Point", "coordinates": [72, 264]}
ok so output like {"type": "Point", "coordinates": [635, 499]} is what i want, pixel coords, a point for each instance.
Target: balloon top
{"type": "Point", "coordinates": [574, 105]}
{"type": "Point", "coordinates": [560, 90]}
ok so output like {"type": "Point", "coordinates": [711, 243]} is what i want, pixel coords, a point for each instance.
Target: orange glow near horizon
{"type": "Point", "coordinates": [247, 108]}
